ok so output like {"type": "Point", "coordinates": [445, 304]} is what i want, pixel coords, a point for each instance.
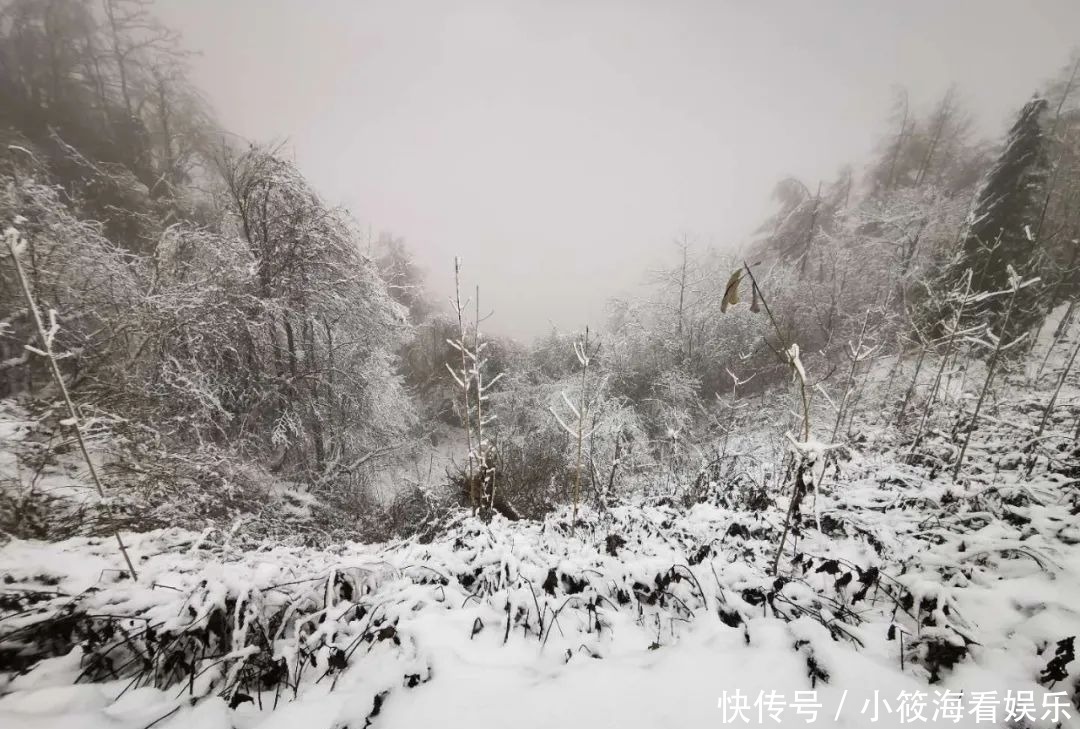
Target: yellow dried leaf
{"type": "Point", "coordinates": [731, 291]}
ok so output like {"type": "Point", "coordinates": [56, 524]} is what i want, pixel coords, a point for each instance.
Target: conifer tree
{"type": "Point", "coordinates": [1003, 224]}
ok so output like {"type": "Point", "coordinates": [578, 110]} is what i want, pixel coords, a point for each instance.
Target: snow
{"type": "Point", "coordinates": [676, 622]}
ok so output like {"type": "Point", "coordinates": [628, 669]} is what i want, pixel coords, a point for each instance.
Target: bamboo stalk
{"type": "Point", "coordinates": [850, 376]}
{"type": "Point", "coordinates": [941, 368]}
{"type": "Point", "coordinates": [912, 386]}
{"type": "Point", "coordinates": [465, 380]}
{"type": "Point", "coordinates": [46, 341]}
{"type": "Point", "coordinates": [581, 427]}
{"type": "Point", "coordinates": [1057, 390]}
{"type": "Point", "coordinates": [1059, 331]}
{"type": "Point", "coordinates": [485, 471]}
{"type": "Point", "coordinates": [806, 421]}
{"type": "Point", "coordinates": [991, 367]}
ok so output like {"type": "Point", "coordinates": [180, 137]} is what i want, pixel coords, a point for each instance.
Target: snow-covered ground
{"type": "Point", "coordinates": [904, 595]}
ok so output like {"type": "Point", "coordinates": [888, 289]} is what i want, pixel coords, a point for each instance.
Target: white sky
{"type": "Point", "coordinates": [559, 146]}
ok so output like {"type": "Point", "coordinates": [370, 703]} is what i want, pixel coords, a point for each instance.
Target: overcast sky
{"type": "Point", "coordinates": [559, 146]}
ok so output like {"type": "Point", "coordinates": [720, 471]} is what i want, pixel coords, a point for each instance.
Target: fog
{"type": "Point", "coordinates": [560, 147]}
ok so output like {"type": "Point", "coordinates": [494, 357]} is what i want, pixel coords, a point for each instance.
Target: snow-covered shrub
{"type": "Point", "coordinates": [76, 272]}
{"type": "Point", "coordinates": [267, 337]}
{"type": "Point", "coordinates": [537, 456]}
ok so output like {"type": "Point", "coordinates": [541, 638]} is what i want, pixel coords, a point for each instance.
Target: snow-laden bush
{"type": "Point", "coordinates": [268, 338]}
{"type": "Point", "coordinates": [93, 286]}
{"type": "Point", "coordinates": [538, 457]}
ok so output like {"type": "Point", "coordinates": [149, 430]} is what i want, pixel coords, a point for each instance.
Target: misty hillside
{"type": "Point", "coordinates": [254, 472]}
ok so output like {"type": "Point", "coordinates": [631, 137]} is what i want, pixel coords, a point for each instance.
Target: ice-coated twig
{"type": "Point", "coordinates": [580, 411]}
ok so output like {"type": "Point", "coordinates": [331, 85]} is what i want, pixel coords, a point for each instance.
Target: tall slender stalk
{"type": "Point", "coordinates": [1057, 389]}
{"type": "Point", "coordinates": [911, 387]}
{"type": "Point", "coordinates": [892, 371]}
{"type": "Point", "coordinates": [1059, 331]}
{"type": "Point", "coordinates": [944, 361]}
{"type": "Point", "coordinates": [990, 369]}
{"type": "Point", "coordinates": [783, 343]}
{"type": "Point", "coordinates": [582, 404]}
{"type": "Point", "coordinates": [11, 236]}
{"type": "Point", "coordinates": [488, 474]}
{"type": "Point", "coordinates": [479, 383]}
{"type": "Point", "coordinates": [464, 381]}
{"type": "Point", "coordinates": [856, 354]}
{"type": "Point", "coordinates": [1050, 405]}
{"type": "Point", "coordinates": [792, 359]}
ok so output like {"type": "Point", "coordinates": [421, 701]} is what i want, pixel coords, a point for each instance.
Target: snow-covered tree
{"type": "Point", "coordinates": [1005, 218]}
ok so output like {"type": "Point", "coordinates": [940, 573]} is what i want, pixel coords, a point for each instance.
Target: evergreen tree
{"type": "Point", "coordinates": [1003, 224]}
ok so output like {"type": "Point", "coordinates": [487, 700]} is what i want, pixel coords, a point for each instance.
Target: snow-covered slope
{"type": "Point", "coordinates": [903, 589]}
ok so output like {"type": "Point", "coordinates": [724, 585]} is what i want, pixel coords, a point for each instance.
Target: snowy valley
{"type": "Point", "coordinates": [590, 439]}
{"type": "Point", "coordinates": [902, 588]}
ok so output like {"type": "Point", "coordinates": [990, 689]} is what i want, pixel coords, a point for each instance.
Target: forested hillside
{"type": "Point", "coordinates": [251, 471]}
